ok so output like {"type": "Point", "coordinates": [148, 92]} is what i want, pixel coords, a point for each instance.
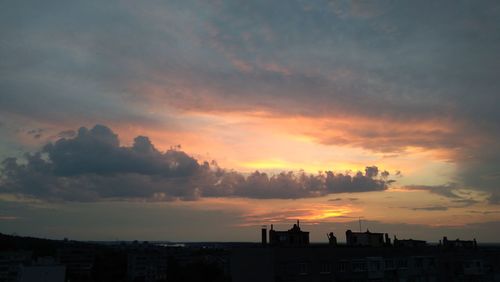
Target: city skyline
{"type": "Point", "coordinates": [203, 120]}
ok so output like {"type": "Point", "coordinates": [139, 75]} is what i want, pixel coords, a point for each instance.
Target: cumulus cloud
{"type": "Point", "coordinates": [94, 166]}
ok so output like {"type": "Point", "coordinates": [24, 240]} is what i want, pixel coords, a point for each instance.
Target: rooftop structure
{"type": "Point", "coordinates": [366, 239]}
{"type": "Point", "coordinates": [409, 243]}
{"type": "Point", "coordinates": [376, 260]}
{"type": "Point", "coordinates": [459, 243]}
{"type": "Point", "coordinates": [292, 237]}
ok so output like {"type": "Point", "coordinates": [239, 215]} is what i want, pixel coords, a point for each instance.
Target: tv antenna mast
{"type": "Point", "coordinates": [359, 218]}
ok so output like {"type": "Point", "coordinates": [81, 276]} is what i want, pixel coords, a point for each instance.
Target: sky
{"type": "Point", "coordinates": [204, 120]}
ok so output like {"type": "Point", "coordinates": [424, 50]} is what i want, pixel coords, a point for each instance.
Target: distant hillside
{"type": "Point", "coordinates": [40, 247]}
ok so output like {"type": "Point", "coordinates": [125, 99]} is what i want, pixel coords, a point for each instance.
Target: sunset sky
{"type": "Point", "coordinates": [203, 120]}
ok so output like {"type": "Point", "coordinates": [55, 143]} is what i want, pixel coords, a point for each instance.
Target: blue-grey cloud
{"type": "Point", "coordinates": [98, 151]}
{"type": "Point", "coordinates": [93, 166]}
{"type": "Point", "coordinates": [321, 58]}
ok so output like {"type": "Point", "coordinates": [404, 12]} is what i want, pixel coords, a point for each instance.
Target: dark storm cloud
{"type": "Point", "coordinates": [93, 166]}
{"type": "Point", "coordinates": [98, 151]}
{"type": "Point", "coordinates": [382, 61]}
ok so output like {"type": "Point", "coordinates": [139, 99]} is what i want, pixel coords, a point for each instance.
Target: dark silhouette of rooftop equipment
{"type": "Point", "coordinates": [332, 240]}
{"type": "Point", "coordinates": [264, 235]}
{"type": "Point", "coordinates": [292, 237]}
{"type": "Point", "coordinates": [367, 238]}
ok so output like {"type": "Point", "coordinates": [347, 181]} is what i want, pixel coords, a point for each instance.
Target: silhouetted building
{"type": "Point", "coordinates": [10, 263]}
{"type": "Point", "coordinates": [367, 239]}
{"type": "Point", "coordinates": [459, 243]}
{"type": "Point", "coordinates": [79, 262]}
{"type": "Point", "coordinates": [409, 243]}
{"type": "Point", "coordinates": [414, 260]}
{"type": "Point", "coordinates": [147, 266]}
{"type": "Point", "coordinates": [43, 270]}
{"type": "Point", "coordinates": [33, 259]}
{"type": "Point", "coordinates": [292, 237]}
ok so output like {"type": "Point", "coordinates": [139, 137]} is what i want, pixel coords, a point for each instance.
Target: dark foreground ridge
{"type": "Point", "coordinates": [286, 256]}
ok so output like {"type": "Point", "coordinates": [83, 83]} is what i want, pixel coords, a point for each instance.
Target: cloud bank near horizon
{"type": "Point", "coordinates": [93, 166]}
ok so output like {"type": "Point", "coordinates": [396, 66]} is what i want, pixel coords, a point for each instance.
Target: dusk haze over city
{"type": "Point", "coordinates": [202, 121]}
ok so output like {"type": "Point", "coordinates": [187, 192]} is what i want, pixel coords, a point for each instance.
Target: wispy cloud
{"type": "Point", "coordinates": [431, 208]}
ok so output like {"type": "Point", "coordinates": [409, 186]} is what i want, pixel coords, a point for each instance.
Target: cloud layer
{"type": "Point", "coordinates": [400, 79]}
{"type": "Point", "coordinates": [93, 166]}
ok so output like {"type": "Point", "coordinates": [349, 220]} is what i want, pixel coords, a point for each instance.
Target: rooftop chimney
{"type": "Point", "coordinates": [264, 235]}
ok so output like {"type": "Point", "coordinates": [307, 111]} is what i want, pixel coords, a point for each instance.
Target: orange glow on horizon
{"type": "Point", "coordinates": [323, 214]}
